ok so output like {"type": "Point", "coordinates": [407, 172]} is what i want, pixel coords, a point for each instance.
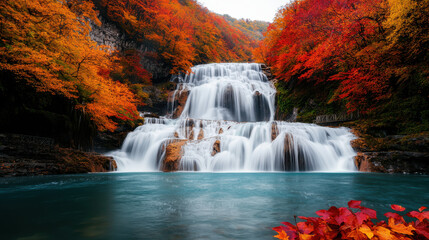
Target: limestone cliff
{"type": "Point", "coordinates": [110, 35]}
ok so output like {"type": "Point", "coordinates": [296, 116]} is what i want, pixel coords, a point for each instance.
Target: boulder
{"type": "Point", "coordinates": [220, 131]}
{"type": "Point", "coordinates": [178, 99]}
{"type": "Point", "coordinates": [190, 123]}
{"type": "Point", "coordinates": [191, 135]}
{"type": "Point", "coordinates": [288, 152]}
{"type": "Point", "coordinates": [173, 155]}
{"type": "Point", "coordinates": [274, 131]}
{"type": "Point", "coordinates": [393, 162]}
{"type": "Point", "coordinates": [201, 134]}
{"type": "Point", "coordinates": [216, 147]}
{"type": "Point", "coordinates": [267, 71]}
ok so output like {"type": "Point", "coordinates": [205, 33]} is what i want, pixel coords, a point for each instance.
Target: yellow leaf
{"type": "Point", "coordinates": [366, 230]}
{"type": "Point", "coordinates": [384, 234]}
{"type": "Point", "coordinates": [282, 236]}
{"type": "Point", "coordinates": [400, 228]}
{"type": "Point", "coordinates": [305, 236]}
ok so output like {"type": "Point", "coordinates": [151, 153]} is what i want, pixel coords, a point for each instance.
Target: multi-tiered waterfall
{"type": "Point", "coordinates": [227, 124]}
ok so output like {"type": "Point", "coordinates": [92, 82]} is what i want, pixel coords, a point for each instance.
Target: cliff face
{"type": "Point", "coordinates": [110, 35]}
{"type": "Point", "coordinates": [280, 114]}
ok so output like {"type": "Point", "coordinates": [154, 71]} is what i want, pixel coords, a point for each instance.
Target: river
{"type": "Point", "coordinates": [187, 205]}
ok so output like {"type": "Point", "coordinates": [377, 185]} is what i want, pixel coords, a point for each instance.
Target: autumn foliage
{"type": "Point", "coordinates": [357, 222]}
{"type": "Point", "coordinates": [46, 43]}
{"type": "Point", "coordinates": [360, 52]}
{"type": "Point", "coordinates": [179, 33]}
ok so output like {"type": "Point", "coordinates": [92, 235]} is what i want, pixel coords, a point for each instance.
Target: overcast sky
{"type": "Point", "coordinates": [253, 9]}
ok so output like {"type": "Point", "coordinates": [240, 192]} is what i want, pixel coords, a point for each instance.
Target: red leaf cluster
{"type": "Point", "coordinates": [356, 222]}
{"type": "Point", "coordinates": [332, 43]}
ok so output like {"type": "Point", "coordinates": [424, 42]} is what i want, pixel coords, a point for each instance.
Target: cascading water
{"type": "Point", "coordinates": [227, 124]}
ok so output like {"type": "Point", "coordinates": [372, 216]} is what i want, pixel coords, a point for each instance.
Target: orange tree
{"type": "Point", "coordinates": [46, 43]}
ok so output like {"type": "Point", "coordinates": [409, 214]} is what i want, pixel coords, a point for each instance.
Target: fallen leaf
{"type": "Point", "coordinates": [397, 208]}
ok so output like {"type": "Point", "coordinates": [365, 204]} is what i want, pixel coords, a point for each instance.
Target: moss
{"type": "Point", "coordinates": [307, 116]}
{"type": "Point", "coordinates": [284, 98]}
{"type": "Point", "coordinates": [311, 100]}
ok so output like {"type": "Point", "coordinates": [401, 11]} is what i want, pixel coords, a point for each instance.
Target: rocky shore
{"type": "Point", "coordinates": [22, 155]}
{"type": "Point", "coordinates": [408, 154]}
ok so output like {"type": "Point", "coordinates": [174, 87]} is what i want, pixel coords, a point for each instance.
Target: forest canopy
{"type": "Point", "coordinates": [46, 45]}
{"type": "Point", "coordinates": [367, 56]}
{"type": "Point", "coordinates": [181, 33]}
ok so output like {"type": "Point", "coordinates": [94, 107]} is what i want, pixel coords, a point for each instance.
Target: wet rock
{"type": "Point", "coordinates": [176, 135]}
{"type": "Point", "coordinates": [220, 131]}
{"type": "Point", "coordinates": [150, 115]}
{"type": "Point", "coordinates": [109, 141]}
{"type": "Point", "coordinates": [173, 155]}
{"type": "Point", "coordinates": [393, 162]}
{"type": "Point", "coordinates": [18, 158]}
{"type": "Point", "coordinates": [274, 131]}
{"type": "Point", "coordinates": [294, 156]}
{"type": "Point", "coordinates": [390, 153]}
{"type": "Point", "coordinates": [201, 134]}
{"type": "Point", "coordinates": [261, 107]}
{"type": "Point", "coordinates": [190, 123]}
{"type": "Point", "coordinates": [267, 71]}
{"type": "Point", "coordinates": [216, 148]}
{"type": "Point", "coordinates": [191, 135]}
{"type": "Point", "coordinates": [179, 101]}
{"type": "Point", "coordinates": [228, 99]}
{"type": "Point", "coordinates": [288, 152]}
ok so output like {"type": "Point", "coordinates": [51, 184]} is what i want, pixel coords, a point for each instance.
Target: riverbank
{"type": "Point", "coordinates": [22, 155]}
{"type": "Point", "coordinates": [384, 153]}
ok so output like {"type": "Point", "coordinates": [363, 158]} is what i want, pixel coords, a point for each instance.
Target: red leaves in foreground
{"type": "Point", "coordinates": [344, 223]}
{"type": "Point", "coordinates": [397, 208]}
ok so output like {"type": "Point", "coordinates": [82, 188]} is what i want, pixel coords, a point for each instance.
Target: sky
{"type": "Point", "coordinates": [253, 9]}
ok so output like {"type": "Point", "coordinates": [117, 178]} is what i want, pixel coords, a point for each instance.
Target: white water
{"type": "Point", "coordinates": [234, 103]}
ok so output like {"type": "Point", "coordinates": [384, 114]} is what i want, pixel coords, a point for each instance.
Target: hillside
{"type": "Point", "coordinates": [178, 34]}
{"type": "Point", "coordinates": [253, 28]}
{"type": "Point", "coordinates": [353, 56]}
{"type": "Point", "coordinates": [70, 69]}
{"type": "Point", "coordinates": [363, 60]}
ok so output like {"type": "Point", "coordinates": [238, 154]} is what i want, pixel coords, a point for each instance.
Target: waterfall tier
{"type": "Point", "coordinates": [227, 124]}
{"type": "Point", "coordinates": [229, 91]}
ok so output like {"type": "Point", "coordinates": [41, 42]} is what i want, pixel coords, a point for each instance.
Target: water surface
{"type": "Point", "coordinates": [188, 205]}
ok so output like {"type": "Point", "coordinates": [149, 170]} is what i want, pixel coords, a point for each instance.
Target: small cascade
{"type": "Point", "coordinates": [234, 92]}
{"type": "Point", "coordinates": [226, 123]}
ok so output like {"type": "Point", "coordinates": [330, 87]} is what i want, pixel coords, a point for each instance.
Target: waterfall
{"type": "Point", "coordinates": [227, 124]}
